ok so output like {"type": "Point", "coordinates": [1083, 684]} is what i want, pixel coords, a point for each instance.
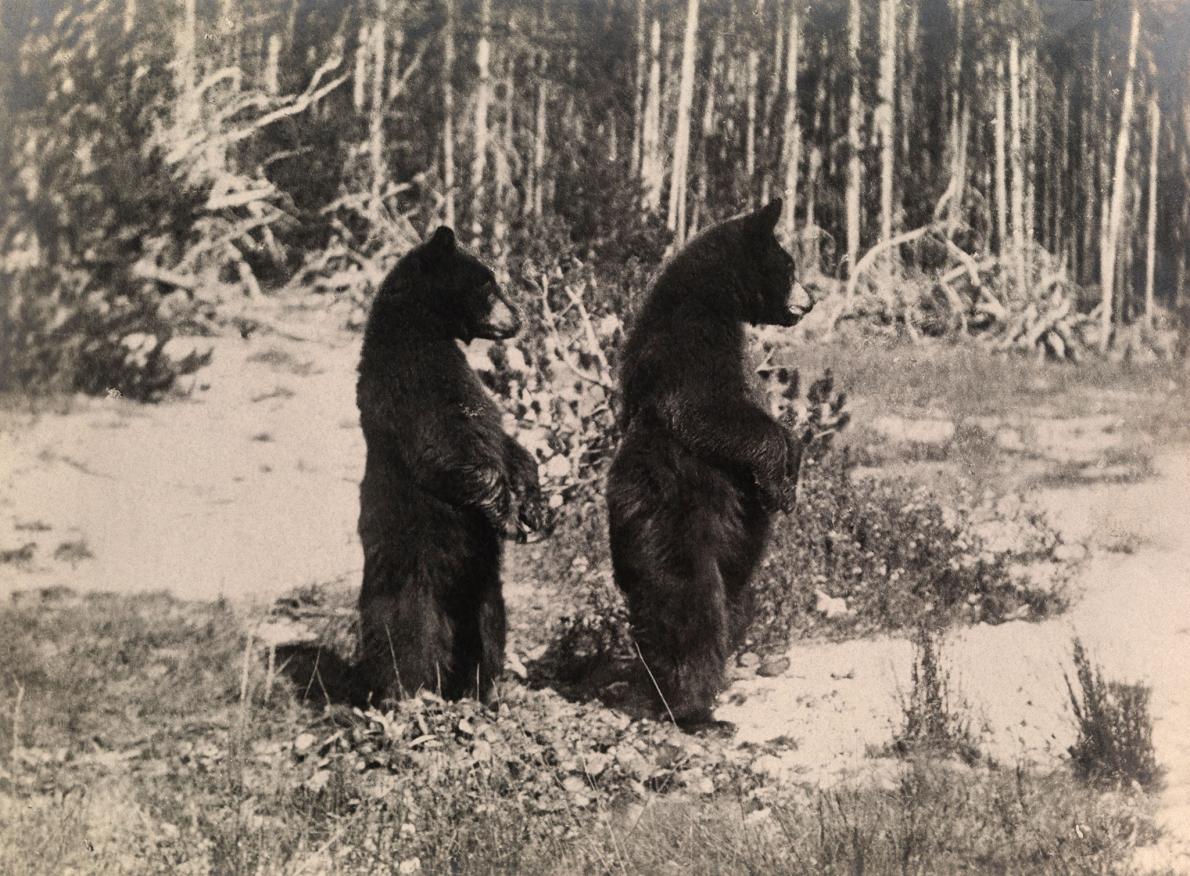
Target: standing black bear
{"type": "Point", "coordinates": [702, 465]}
{"type": "Point", "coordinates": [442, 482]}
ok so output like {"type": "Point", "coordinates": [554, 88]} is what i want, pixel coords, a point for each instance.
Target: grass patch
{"type": "Point", "coordinates": [1115, 729]}
{"type": "Point", "coordinates": [148, 739]}
{"type": "Point", "coordinates": [73, 552]}
{"type": "Point", "coordinates": [20, 556]}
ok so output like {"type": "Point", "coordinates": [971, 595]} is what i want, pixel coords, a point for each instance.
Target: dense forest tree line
{"type": "Point", "coordinates": [948, 165]}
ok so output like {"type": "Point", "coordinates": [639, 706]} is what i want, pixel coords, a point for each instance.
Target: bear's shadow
{"type": "Point", "coordinates": [320, 675]}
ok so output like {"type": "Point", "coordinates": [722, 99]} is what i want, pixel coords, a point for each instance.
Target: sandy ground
{"type": "Point", "coordinates": [840, 701]}
{"type": "Point", "coordinates": [247, 488]}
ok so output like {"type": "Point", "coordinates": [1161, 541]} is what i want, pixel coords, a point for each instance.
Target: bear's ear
{"type": "Point", "coordinates": [766, 218]}
{"type": "Point", "coordinates": [441, 242]}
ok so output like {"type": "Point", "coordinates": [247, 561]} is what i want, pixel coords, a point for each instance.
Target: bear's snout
{"type": "Point", "coordinates": [503, 321]}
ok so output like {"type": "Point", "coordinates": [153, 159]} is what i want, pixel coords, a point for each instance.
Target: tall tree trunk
{"type": "Point", "coordinates": [1031, 150]}
{"type": "Point", "coordinates": [750, 130]}
{"type": "Point", "coordinates": [793, 127]}
{"type": "Point", "coordinates": [708, 131]}
{"type": "Point", "coordinates": [539, 132]}
{"type": "Point", "coordinates": [905, 80]}
{"type": "Point", "coordinates": [1061, 160]}
{"type": "Point", "coordinates": [821, 135]}
{"type": "Point", "coordinates": [1018, 168]}
{"type": "Point", "coordinates": [376, 110]}
{"type": "Point", "coordinates": [770, 101]}
{"type": "Point", "coordinates": [1151, 249]}
{"type": "Point", "coordinates": [676, 220]}
{"type": "Point", "coordinates": [396, 44]}
{"type": "Point", "coordinates": [1001, 173]}
{"type": "Point", "coordinates": [854, 111]}
{"type": "Point", "coordinates": [229, 36]}
{"type": "Point", "coordinates": [1091, 148]}
{"type": "Point", "coordinates": [448, 109]}
{"type": "Point", "coordinates": [483, 98]}
{"type": "Point", "coordinates": [954, 209]}
{"type": "Point", "coordinates": [505, 151]}
{"type": "Point", "coordinates": [359, 79]}
{"type": "Point", "coordinates": [884, 112]}
{"type": "Point", "coordinates": [638, 91]}
{"type": "Point", "coordinates": [651, 170]}
{"type": "Point", "coordinates": [186, 108]}
{"type": "Point", "coordinates": [1107, 253]}
{"type": "Point", "coordinates": [815, 166]}
{"type": "Point", "coordinates": [1047, 151]}
{"type": "Point", "coordinates": [272, 65]}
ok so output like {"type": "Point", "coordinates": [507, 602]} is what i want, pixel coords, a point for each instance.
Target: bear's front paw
{"type": "Point", "coordinates": [530, 519]}
{"type": "Point", "coordinates": [786, 494]}
{"type": "Point", "coordinates": [495, 496]}
{"type": "Point", "coordinates": [776, 483]}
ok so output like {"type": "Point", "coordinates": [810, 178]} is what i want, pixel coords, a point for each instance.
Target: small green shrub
{"type": "Point", "coordinates": [1115, 729]}
{"type": "Point", "coordinates": [886, 547]}
{"type": "Point", "coordinates": [934, 723]}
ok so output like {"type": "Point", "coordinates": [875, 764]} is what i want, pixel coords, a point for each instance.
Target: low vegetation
{"type": "Point", "coordinates": [936, 722]}
{"type": "Point", "coordinates": [1115, 728]}
{"type": "Point", "coordinates": [165, 745]}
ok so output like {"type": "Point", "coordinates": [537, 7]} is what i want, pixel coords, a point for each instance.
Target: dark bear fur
{"type": "Point", "coordinates": [702, 465]}
{"type": "Point", "coordinates": [442, 482]}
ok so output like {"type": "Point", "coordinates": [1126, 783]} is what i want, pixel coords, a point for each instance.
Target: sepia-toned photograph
{"type": "Point", "coordinates": [594, 436]}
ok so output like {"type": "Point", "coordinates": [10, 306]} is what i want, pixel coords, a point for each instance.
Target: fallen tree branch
{"type": "Point", "coordinates": [556, 340]}
{"type": "Point", "coordinates": [144, 271]}
{"type": "Point", "coordinates": [588, 328]}
{"type": "Point", "coordinates": [865, 262]}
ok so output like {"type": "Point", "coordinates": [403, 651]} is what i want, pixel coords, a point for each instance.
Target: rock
{"type": "Point", "coordinates": [696, 780]}
{"type": "Point", "coordinates": [1070, 553]}
{"type": "Point", "coordinates": [773, 667]}
{"type": "Point", "coordinates": [178, 348]}
{"type": "Point", "coordinates": [748, 660]}
{"type": "Point", "coordinates": [831, 607]}
{"type": "Point", "coordinates": [768, 766]}
{"type": "Point", "coordinates": [282, 631]}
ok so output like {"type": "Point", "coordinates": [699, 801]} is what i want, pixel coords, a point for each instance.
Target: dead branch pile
{"type": "Point", "coordinates": [980, 296]}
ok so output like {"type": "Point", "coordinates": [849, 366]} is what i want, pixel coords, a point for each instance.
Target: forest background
{"type": "Point", "coordinates": [1017, 171]}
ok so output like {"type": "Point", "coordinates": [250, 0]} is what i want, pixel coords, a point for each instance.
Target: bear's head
{"type": "Point", "coordinates": [769, 293]}
{"type": "Point", "coordinates": [455, 292]}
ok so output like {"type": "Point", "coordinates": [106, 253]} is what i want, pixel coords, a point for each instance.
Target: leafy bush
{"type": "Point", "coordinates": [92, 195]}
{"type": "Point", "coordinates": [889, 550]}
{"type": "Point", "coordinates": [60, 332]}
{"type": "Point", "coordinates": [1115, 728]}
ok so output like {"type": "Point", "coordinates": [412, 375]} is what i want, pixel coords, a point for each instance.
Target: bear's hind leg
{"type": "Point", "coordinates": [406, 635]}
{"type": "Point", "coordinates": [480, 625]}
{"type": "Point", "coordinates": [681, 625]}
{"type": "Point", "coordinates": [493, 624]}
{"type": "Point", "coordinates": [737, 565]}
